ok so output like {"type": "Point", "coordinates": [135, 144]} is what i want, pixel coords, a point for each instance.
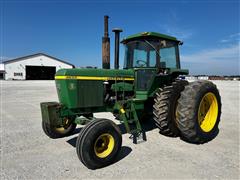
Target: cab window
{"type": "Point", "coordinates": [143, 53]}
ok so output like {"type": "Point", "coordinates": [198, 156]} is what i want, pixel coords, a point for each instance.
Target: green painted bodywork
{"type": "Point", "coordinates": [149, 34]}
{"type": "Point", "coordinates": [122, 86]}
{"type": "Point", "coordinates": [156, 81]}
{"type": "Point", "coordinates": [80, 94]}
{"type": "Point", "coordinates": [96, 72]}
{"type": "Point", "coordinates": [77, 94]}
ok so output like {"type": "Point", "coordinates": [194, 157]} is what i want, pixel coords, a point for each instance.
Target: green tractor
{"type": "Point", "coordinates": [148, 87]}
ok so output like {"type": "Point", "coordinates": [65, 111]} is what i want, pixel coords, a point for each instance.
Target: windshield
{"type": "Point", "coordinates": [151, 53]}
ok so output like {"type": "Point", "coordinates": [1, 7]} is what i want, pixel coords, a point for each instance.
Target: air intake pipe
{"type": "Point", "coordinates": [116, 57]}
{"type": "Point", "coordinates": [106, 46]}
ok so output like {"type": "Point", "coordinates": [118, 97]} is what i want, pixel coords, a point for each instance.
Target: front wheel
{"type": "Point", "coordinates": [199, 111]}
{"type": "Point", "coordinates": [58, 132]}
{"type": "Point", "coordinates": [99, 143]}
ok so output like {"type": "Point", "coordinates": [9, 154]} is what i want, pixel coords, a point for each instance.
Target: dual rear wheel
{"type": "Point", "coordinates": [191, 110]}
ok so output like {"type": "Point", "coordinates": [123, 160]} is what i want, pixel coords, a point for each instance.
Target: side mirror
{"type": "Point", "coordinates": [180, 43]}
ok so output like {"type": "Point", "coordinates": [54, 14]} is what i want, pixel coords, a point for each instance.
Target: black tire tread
{"type": "Point", "coordinates": [82, 138]}
{"type": "Point", "coordinates": [162, 107]}
{"type": "Point", "coordinates": [186, 119]}
{"type": "Point", "coordinates": [50, 132]}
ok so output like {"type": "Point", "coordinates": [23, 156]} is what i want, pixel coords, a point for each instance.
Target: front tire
{"type": "Point", "coordinates": [199, 111]}
{"type": "Point", "coordinates": [99, 143]}
{"type": "Point", "coordinates": [58, 132]}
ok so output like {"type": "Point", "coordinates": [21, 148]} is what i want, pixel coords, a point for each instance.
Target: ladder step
{"type": "Point", "coordinates": [138, 137]}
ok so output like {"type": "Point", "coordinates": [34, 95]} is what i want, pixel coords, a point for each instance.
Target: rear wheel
{"type": "Point", "coordinates": [58, 132]}
{"type": "Point", "coordinates": [164, 109]}
{"type": "Point", "coordinates": [99, 143]}
{"type": "Point", "coordinates": [199, 111]}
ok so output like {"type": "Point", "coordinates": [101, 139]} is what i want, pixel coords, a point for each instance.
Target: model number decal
{"type": "Point", "coordinates": [94, 78]}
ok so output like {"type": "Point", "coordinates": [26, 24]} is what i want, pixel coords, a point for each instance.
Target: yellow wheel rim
{"type": "Point", "coordinates": [104, 145]}
{"type": "Point", "coordinates": [62, 129]}
{"type": "Point", "coordinates": [208, 112]}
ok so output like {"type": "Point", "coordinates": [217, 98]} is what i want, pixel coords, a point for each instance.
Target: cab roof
{"type": "Point", "coordinates": [148, 34]}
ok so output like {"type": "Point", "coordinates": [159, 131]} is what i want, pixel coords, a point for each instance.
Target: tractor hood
{"type": "Point", "coordinates": [95, 74]}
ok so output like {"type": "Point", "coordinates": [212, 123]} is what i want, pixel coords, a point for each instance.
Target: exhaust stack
{"type": "Point", "coordinates": [106, 46]}
{"type": "Point", "coordinates": [116, 57]}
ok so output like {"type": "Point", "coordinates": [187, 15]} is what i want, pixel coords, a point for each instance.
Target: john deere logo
{"type": "Point", "coordinates": [71, 86]}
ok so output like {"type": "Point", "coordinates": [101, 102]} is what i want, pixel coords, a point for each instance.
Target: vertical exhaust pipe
{"type": "Point", "coordinates": [116, 57]}
{"type": "Point", "coordinates": [106, 46]}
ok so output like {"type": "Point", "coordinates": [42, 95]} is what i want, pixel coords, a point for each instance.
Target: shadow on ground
{"type": "Point", "coordinates": [124, 152]}
{"type": "Point", "coordinates": [147, 125]}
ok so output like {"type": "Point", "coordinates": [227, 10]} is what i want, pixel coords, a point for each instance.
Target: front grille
{"type": "Point", "coordinates": [90, 93]}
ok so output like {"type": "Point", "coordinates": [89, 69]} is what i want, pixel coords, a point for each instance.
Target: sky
{"type": "Point", "coordinates": [72, 30]}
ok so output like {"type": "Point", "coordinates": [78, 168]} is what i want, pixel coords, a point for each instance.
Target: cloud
{"type": "Point", "coordinates": [180, 33]}
{"type": "Point", "coordinates": [174, 26]}
{"type": "Point", "coordinates": [224, 40]}
{"type": "Point", "coordinates": [222, 61]}
{"type": "Point", "coordinates": [235, 35]}
{"type": "Point", "coordinates": [232, 38]}
{"type": "Point", "coordinates": [214, 55]}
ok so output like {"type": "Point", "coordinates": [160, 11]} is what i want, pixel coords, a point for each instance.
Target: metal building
{"type": "Point", "coordinates": [33, 67]}
{"type": "Point", "coordinates": [2, 71]}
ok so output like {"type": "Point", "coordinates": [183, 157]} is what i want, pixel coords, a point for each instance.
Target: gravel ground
{"type": "Point", "coordinates": [26, 153]}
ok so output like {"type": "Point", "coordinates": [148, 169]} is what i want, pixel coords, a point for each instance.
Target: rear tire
{"type": "Point", "coordinates": [164, 109]}
{"type": "Point", "coordinates": [99, 143]}
{"type": "Point", "coordinates": [199, 111]}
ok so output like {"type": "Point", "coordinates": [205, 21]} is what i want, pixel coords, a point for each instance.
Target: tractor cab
{"type": "Point", "coordinates": [155, 60]}
{"type": "Point", "coordinates": [151, 50]}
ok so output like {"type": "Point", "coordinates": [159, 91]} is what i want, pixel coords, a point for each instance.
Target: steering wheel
{"type": "Point", "coordinates": [141, 63]}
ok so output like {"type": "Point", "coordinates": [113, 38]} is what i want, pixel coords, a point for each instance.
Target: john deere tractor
{"type": "Point", "coordinates": [148, 87]}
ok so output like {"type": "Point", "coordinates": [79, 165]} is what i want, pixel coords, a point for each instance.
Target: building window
{"type": "Point", "coordinates": [18, 74]}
